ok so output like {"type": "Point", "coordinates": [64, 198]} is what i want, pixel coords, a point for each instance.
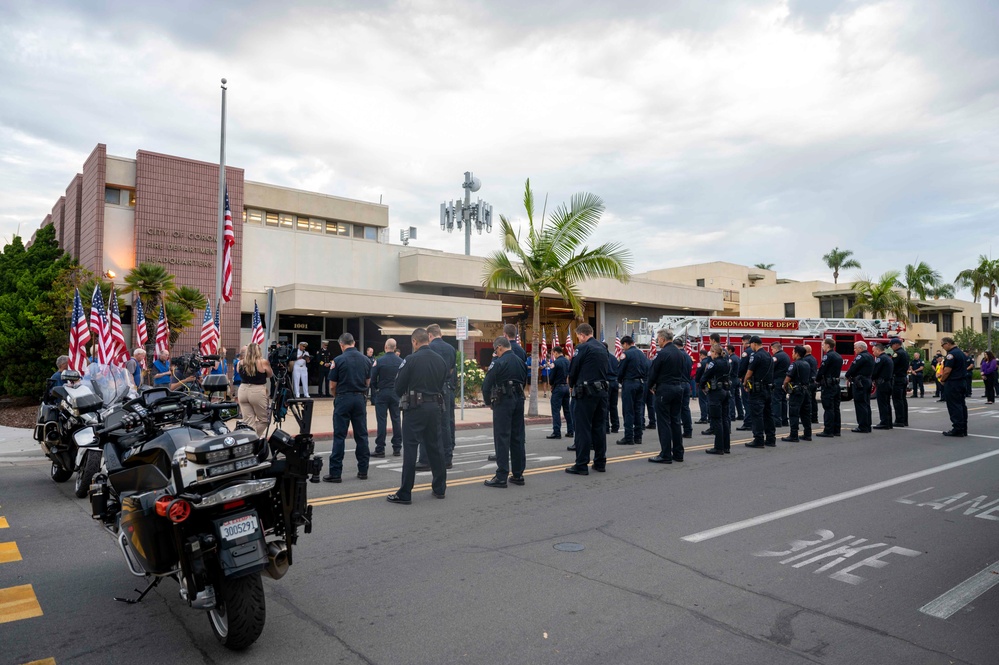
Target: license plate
{"type": "Point", "coordinates": [239, 527]}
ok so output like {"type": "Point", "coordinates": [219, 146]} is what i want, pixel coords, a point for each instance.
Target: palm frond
{"type": "Point", "coordinates": [570, 227]}
{"type": "Point", "coordinates": [608, 260]}
{"type": "Point", "coordinates": [501, 274]}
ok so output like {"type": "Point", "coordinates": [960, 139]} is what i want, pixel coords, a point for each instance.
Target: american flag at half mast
{"type": "Point", "coordinates": [162, 333]}
{"type": "Point", "coordinates": [207, 332]}
{"type": "Point", "coordinates": [139, 316]}
{"type": "Point", "coordinates": [258, 327]}
{"type": "Point", "coordinates": [79, 336]}
{"type": "Point", "coordinates": [100, 328]}
{"type": "Point", "coordinates": [228, 242]}
{"type": "Point", "coordinates": [119, 354]}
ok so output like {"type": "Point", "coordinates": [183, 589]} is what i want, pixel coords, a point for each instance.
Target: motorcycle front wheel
{"type": "Point", "coordinates": [88, 469]}
{"type": "Point", "coordinates": [59, 474]}
{"type": "Point", "coordinates": [239, 614]}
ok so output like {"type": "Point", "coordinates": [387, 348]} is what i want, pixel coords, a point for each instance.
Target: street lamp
{"type": "Point", "coordinates": [463, 212]}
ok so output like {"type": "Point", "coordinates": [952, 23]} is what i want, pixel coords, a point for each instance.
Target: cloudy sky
{"type": "Point", "coordinates": [754, 131]}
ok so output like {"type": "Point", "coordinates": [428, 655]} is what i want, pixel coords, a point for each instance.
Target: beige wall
{"type": "Point", "coordinates": [312, 204]}
{"type": "Point", "coordinates": [119, 239]}
{"type": "Point", "coordinates": [120, 171]}
{"type": "Point", "coordinates": [716, 275]}
{"type": "Point", "coordinates": [768, 301]}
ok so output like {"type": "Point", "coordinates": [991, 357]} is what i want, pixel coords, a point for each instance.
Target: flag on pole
{"type": "Point", "coordinates": [100, 328]}
{"type": "Point", "coordinates": [653, 350]}
{"type": "Point", "coordinates": [555, 335]}
{"type": "Point", "coordinates": [258, 327]}
{"type": "Point", "coordinates": [569, 348]}
{"type": "Point", "coordinates": [207, 332]}
{"type": "Point", "coordinates": [79, 336]}
{"type": "Point", "coordinates": [119, 354]}
{"type": "Point", "coordinates": [218, 327]}
{"type": "Point", "coordinates": [162, 334]}
{"type": "Point", "coordinates": [139, 317]}
{"type": "Point", "coordinates": [618, 349]}
{"type": "Point", "coordinates": [544, 345]}
{"type": "Point", "coordinates": [228, 242]}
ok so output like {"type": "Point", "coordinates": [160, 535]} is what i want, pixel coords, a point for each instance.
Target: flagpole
{"type": "Point", "coordinates": [220, 232]}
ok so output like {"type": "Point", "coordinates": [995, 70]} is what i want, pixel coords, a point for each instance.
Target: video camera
{"type": "Point", "coordinates": [194, 362]}
{"type": "Point", "coordinates": [279, 355]}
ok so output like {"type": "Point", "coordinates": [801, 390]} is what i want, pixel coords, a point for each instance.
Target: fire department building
{"type": "Point", "coordinates": [327, 259]}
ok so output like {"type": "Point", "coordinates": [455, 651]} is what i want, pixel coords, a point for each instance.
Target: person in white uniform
{"type": "Point", "coordinates": [300, 373]}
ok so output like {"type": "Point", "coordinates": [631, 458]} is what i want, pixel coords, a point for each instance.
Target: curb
{"type": "Point", "coordinates": [458, 425]}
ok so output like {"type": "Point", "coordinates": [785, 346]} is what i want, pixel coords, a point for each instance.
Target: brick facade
{"type": "Point", "coordinates": [58, 212]}
{"type": "Point", "coordinates": [91, 237]}
{"type": "Point", "coordinates": [71, 217]}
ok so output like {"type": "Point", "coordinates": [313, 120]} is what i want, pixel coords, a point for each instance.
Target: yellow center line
{"type": "Point", "coordinates": [372, 494]}
{"type": "Point", "coordinates": [18, 602]}
{"type": "Point", "coordinates": [9, 552]}
{"type": "Point", "coordinates": [3, 523]}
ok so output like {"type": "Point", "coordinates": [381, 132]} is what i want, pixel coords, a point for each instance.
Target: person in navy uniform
{"type": "Point", "coordinates": [649, 405]}
{"type": "Point", "coordinates": [419, 384]}
{"type": "Point", "coordinates": [715, 382]}
{"type": "Point", "coordinates": [954, 380]}
{"type": "Point", "coordinates": [450, 358]}
{"type": "Point", "coordinates": [735, 390]}
{"type": "Point", "coordinates": [323, 358]}
{"type": "Point", "coordinates": [559, 375]}
{"type": "Point", "coordinates": [916, 376]}
{"type": "Point", "coordinates": [613, 419]}
{"type": "Point", "coordinates": [669, 378]}
{"type": "Point", "coordinates": [631, 373]}
{"type": "Point", "coordinates": [813, 386]}
{"type": "Point", "coordinates": [702, 398]}
{"type": "Point", "coordinates": [503, 388]}
{"type": "Point", "coordinates": [900, 381]}
{"type": "Point", "coordinates": [383, 375]}
{"type": "Point", "coordinates": [349, 378]}
{"type": "Point", "coordinates": [759, 382]}
{"type": "Point", "coordinates": [779, 398]}
{"type": "Point", "coordinates": [883, 385]}
{"type": "Point", "coordinates": [797, 378]}
{"type": "Point", "coordinates": [744, 358]}
{"type": "Point", "coordinates": [828, 380]}
{"type": "Point", "coordinates": [510, 331]}
{"type": "Point", "coordinates": [686, 419]}
{"type": "Point", "coordinates": [859, 377]}
{"type": "Point", "coordinates": [588, 379]}
{"type": "Point", "coordinates": [969, 374]}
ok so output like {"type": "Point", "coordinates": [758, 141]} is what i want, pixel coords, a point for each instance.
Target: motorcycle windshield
{"type": "Point", "coordinates": [109, 382]}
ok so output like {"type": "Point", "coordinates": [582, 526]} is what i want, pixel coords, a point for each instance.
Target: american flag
{"type": "Point", "coordinates": [518, 334]}
{"type": "Point", "coordinates": [228, 242]}
{"type": "Point", "coordinates": [569, 348]}
{"type": "Point", "coordinates": [618, 349]}
{"type": "Point", "coordinates": [218, 327]}
{"type": "Point", "coordinates": [688, 346]}
{"type": "Point", "coordinates": [79, 336]}
{"type": "Point", "coordinates": [100, 328]}
{"type": "Point", "coordinates": [139, 317]}
{"type": "Point", "coordinates": [208, 332]}
{"type": "Point", "coordinates": [653, 350]}
{"type": "Point", "coordinates": [258, 327]}
{"type": "Point", "coordinates": [162, 333]}
{"type": "Point", "coordinates": [555, 335]}
{"type": "Point", "coordinates": [544, 345]}
{"type": "Point", "coordinates": [119, 354]}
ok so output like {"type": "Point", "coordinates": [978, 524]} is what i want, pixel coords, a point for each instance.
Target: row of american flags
{"type": "Point", "coordinates": [618, 349]}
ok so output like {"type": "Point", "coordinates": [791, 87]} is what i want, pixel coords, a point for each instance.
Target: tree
{"type": "Point", "coordinates": [839, 258]}
{"type": "Point", "coordinates": [983, 280]}
{"type": "Point", "coordinates": [188, 297]}
{"type": "Point", "coordinates": [942, 290]}
{"type": "Point", "coordinates": [920, 279]}
{"type": "Point", "coordinates": [971, 342]}
{"type": "Point", "coordinates": [764, 266]}
{"type": "Point", "coordinates": [880, 298]}
{"type": "Point", "coordinates": [553, 256]}
{"type": "Point", "coordinates": [150, 282]}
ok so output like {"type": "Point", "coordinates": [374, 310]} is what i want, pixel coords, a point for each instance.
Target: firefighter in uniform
{"type": "Point", "coordinates": [383, 375]}
{"type": "Point", "coordinates": [588, 374]}
{"type": "Point", "coordinates": [747, 353]}
{"type": "Point", "coordinates": [669, 377]}
{"type": "Point", "coordinates": [882, 378]}
{"type": "Point", "coordinates": [735, 389]}
{"type": "Point", "coordinates": [631, 373]}
{"type": "Point", "coordinates": [900, 370]}
{"type": "Point", "coordinates": [813, 386]}
{"type": "Point", "coordinates": [715, 382]}
{"type": "Point", "coordinates": [504, 388]}
{"type": "Point", "coordinates": [759, 382]}
{"type": "Point", "coordinates": [419, 383]}
{"type": "Point", "coordinates": [323, 357]}
{"type": "Point", "coordinates": [953, 378]}
{"type": "Point", "coordinates": [613, 419]}
{"type": "Point", "coordinates": [779, 397]}
{"type": "Point", "coordinates": [349, 378]}
{"type": "Point", "coordinates": [916, 372]}
{"type": "Point", "coordinates": [828, 380]}
{"type": "Point", "coordinates": [797, 379]}
{"type": "Point", "coordinates": [859, 377]}
{"type": "Point", "coordinates": [449, 356]}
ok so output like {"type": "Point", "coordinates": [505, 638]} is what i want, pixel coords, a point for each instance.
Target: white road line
{"type": "Point", "coordinates": [842, 496]}
{"type": "Point", "coordinates": [936, 431]}
{"type": "Point", "coordinates": [965, 592]}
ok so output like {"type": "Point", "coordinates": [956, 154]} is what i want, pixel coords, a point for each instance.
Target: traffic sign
{"type": "Point", "coordinates": [461, 328]}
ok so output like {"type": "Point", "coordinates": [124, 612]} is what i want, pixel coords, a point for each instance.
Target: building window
{"type": "Point", "coordinates": [947, 321]}
{"type": "Point", "coordinates": [112, 195]}
{"type": "Point", "coordinates": [272, 219]}
{"type": "Point", "coordinates": [789, 310]}
{"type": "Point", "coordinates": [317, 225]}
{"type": "Point", "coordinates": [254, 216]}
{"type": "Point", "coordinates": [303, 223]}
{"type": "Point", "coordinates": [343, 229]}
{"type": "Point", "coordinates": [700, 282]}
{"type": "Point", "coordinates": [831, 308]}
{"type": "Point", "coordinates": [358, 231]}
{"type": "Point", "coordinates": [370, 233]}
{"type": "Point", "coordinates": [131, 197]}
{"type": "Point", "coordinates": [286, 221]}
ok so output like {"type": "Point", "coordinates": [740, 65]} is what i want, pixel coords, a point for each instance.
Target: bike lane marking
{"type": "Point", "coordinates": [947, 604]}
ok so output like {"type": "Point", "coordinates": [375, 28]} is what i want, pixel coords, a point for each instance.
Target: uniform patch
{"type": "Point", "coordinates": [950, 356]}
{"type": "Point", "coordinates": [745, 354]}
{"type": "Point", "coordinates": [824, 356]}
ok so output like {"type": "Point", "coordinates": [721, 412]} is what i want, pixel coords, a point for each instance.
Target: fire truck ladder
{"type": "Point", "coordinates": [696, 326]}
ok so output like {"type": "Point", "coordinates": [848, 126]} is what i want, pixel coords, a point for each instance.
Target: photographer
{"type": "Point", "coordinates": [253, 402]}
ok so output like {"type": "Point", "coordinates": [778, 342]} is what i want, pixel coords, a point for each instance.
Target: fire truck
{"type": "Point", "coordinates": [789, 332]}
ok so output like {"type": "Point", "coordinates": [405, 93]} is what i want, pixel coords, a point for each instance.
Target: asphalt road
{"type": "Point", "coordinates": [823, 552]}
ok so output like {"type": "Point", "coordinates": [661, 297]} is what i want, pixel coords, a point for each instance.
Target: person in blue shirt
{"type": "Point", "coordinates": [221, 365]}
{"type": "Point", "coordinates": [162, 371]}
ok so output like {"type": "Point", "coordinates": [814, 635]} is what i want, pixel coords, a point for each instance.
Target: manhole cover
{"type": "Point", "coordinates": [569, 547]}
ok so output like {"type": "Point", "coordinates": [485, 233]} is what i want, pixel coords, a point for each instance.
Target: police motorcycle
{"type": "Point", "coordinates": [212, 512]}
{"type": "Point", "coordinates": [69, 414]}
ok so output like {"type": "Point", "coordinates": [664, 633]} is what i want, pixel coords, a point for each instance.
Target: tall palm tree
{"type": "Point", "coordinates": [179, 318]}
{"type": "Point", "coordinates": [941, 290]}
{"type": "Point", "coordinates": [764, 266]}
{"type": "Point", "coordinates": [150, 282]}
{"type": "Point", "coordinates": [920, 279]}
{"type": "Point", "coordinates": [840, 258]}
{"type": "Point", "coordinates": [187, 297]}
{"type": "Point", "coordinates": [983, 280]}
{"type": "Point", "coordinates": [553, 256]}
{"type": "Point", "coordinates": [881, 298]}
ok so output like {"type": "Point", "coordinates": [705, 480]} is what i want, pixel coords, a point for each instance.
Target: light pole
{"type": "Point", "coordinates": [463, 212]}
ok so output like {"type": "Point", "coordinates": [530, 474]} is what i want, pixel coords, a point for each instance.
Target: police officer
{"type": "Point", "coordinates": [383, 375]}
{"type": "Point", "coordinates": [631, 373]}
{"type": "Point", "coordinates": [744, 358]}
{"type": "Point", "coordinates": [702, 397]}
{"type": "Point", "coordinates": [450, 358]}
{"type": "Point", "coordinates": [669, 377]}
{"type": "Point", "coordinates": [813, 387]}
{"type": "Point", "coordinates": [649, 406]}
{"type": "Point", "coordinates": [759, 382]}
{"type": "Point", "coordinates": [969, 373]}
{"type": "Point", "coordinates": [503, 387]}
{"type": "Point", "coordinates": [953, 378]}
{"type": "Point", "coordinates": [686, 419]}
{"type": "Point", "coordinates": [588, 374]}
{"type": "Point", "coordinates": [859, 377]}
{"type": "Point", "coordinates": [421, 377]}
{"type": "Point", "coordinates": [613, 420]}
{"type": "Point", "coordinates": [900, 382]}
{"type": "Point", "coordinates": [510, 331]}
{"type": "Point", "coordinates": [779, 406]}
{"type": "Point", "coordinates": [916, 376]}
{"type": "Point", "coordinates": [883, 383]}
{"type": "Point", "coordinates": [735, 390]}
{"type": "Point", "coordinates": [715, 382]}
{"type": "Point", "coordinates": [828, 380]}
{"type": "Point", "coordinates": [349, 378]}
{"type": "Point", "coordinates": [559, 375]}
{"type": "Point", "coordinates": [323, 358]}
{"type": "Point", "coordinates": [799, 404]}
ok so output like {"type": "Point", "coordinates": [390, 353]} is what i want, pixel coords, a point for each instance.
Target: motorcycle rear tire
{"type": "Point", "coordinates": [59, 474]}
{"type": "Point", "coordinates": [238, 618]}
{"type": "Point", "coordinates": [88, 469]}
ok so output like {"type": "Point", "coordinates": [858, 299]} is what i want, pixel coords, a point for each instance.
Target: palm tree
{"type": "Point", "coordinates": [764, 266]}
{"type": "Point", "coordinates": [983, 280]}
{"type": "Point", "coordinates": [880, 298]}
{"type": "Point", "coordinates": [920, 279]}
{"type": "Point", "coordinates": [840, 258]}
{"type": "Point", "coordinates": [554, 257]}
{"type": "Point", "coordinates": [187, 297]}
{"type": "Point", "coordinates": [150, 282]}
{"type": "Point", "coordinates": [179, 319]}
{"type": "Point", "coordinates": [942, 290]}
